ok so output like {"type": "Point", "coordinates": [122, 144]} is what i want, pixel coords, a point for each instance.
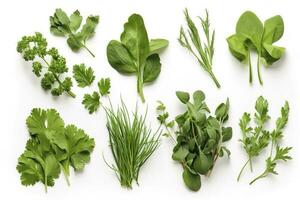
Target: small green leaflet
{"type": "Point", "coordinates": [62, 25]}
{"type": "Point", "coordinates": [91, 102]}
{"type": "Point", "coordinates": [84, 76]}
{"type": "Point", "coordinates": [52, 148]}
{"type": "Point", "coordinates": [104, 86]}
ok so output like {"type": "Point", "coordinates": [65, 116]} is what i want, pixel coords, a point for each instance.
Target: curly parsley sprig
{"type": "Point", "coordinates": [35, 48]}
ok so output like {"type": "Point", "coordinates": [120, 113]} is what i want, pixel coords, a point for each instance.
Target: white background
{"type": "Point", "coordinates": [160, 178]}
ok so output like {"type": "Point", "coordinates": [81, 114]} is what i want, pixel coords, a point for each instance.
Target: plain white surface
{"type": "Point", "coordinates": [160, 178]}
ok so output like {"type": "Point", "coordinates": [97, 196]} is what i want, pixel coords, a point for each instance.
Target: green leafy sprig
{"type": "Point", "coordinates": [203, 51]}
{"type": "Point", "coordinates": [46, 63]}
{"type": "Point", "coordinates": [136, 54]}
{"type": "Point", "coordinates": [92, 101]}
{"type": "Point", "coordinates": [52, 148]}
{"type": "Point", "coordinates": [256, 139]}
{"type": "Point", "coordinates": [252, 34]}
{"type": "Point", "coordinates": [62, 25]}
{"type": "Point", "coordinates": [199, 136]}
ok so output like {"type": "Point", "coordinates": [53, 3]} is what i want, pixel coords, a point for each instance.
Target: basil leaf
{"type": "Point", "coordinates": [237, 47]}
{"type": "Point", "coordinates": [273, 29]}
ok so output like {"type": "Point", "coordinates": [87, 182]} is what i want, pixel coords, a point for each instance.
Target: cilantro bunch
{"type": "Point", "coordinates": [46, 63]}
{"type": "Point", "coordinates": [52, 148]}
{"type": "Point", "coordinates": [199, 136]}
{"type": "Point", "coordinates": [258, 138]}
{"type": "Point", "coordinates": [63, 25]}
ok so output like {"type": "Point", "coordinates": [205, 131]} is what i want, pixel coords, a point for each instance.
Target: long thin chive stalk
{"type": "Point", "coordinates": [131, 143]}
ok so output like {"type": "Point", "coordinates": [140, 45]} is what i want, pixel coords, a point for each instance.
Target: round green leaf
{"type": "Point", "coordinates": [191, 180]}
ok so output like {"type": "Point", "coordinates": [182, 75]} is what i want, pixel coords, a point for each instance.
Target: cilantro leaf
{"type": "Point", "coordinates": [36, 165]}
{"type": "Point", "coordinates": [84, 76]}
{"type": "Point", "coordinates": [62, 25]}
{"type": "Point", "coordinates": [91, 102]}
{"type": "Point", "coordinates": [104, 86]}
{"type": "Point", "coordinates": [52, 148]}
{"type": "Point", "coordinates": [41, 121]}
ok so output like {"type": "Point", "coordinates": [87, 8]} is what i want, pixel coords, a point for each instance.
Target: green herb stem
{"type": "Point", "coordinates": [258, 70]}
{"type": "Point", "coordinates": [244, 166]}
{"type": "Point", "coordinates": [215, 79]}
{"type": "Point", "coordinates": [263, 175]}
{"type": "Point", "coordinates": [57, 79]}
{"type": "Point", "coordinates": [250, 68]}
{"type": "Point", "coordinates": [140, 85]}
{"type": "Point", "coordinates": [84, 46]}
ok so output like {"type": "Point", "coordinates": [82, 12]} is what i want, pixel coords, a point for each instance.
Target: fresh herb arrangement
{"type": "Point", "coordinates": [92, 101]}
{"type": "Point", "coordinates": [62, 25]}
{"type": "Point", "coordinates": [52, 148]}
{"type": "Point", "coordinates": [203, 51]}
{"type": "Point", "coordinates": [84, 76]}
{"type": "Point", "coordinates": [199, 136]}
{"type": "Point", "coordinates": [258, 138]}
{"type": "Point", "coordinates": [47, 63]}
{"type": "Point", "coordinates": [136, 54]}
{"type": "Point", "coordinates": [132, 142]}
{"type": "Point", "coordinates": [252, 34]}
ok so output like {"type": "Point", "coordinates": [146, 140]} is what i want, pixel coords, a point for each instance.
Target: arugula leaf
{"type": "Point", "coordinates": [104, 86]}
{"type": "Point", "coordinates": [252, 34]}
{"type": "Point", "coordinates": [83, 75]}
{"type": "Point", "coordinates": [204, 50]}
{"type": "Point", "coordinates": [62, 25]}
{"type": "Point", "coordinates": [35, 48]}
{"type": "Point", "coordinates": [135, 54]}
{"type": "Point", "coordinates": [91, 102]}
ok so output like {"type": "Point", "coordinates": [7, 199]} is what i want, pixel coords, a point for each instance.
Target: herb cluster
{"type": "Point", "coordinates": [62, 25]}
{"type": "Point", "coordinates": [252, 34]}
{"type": "Point", "coordinates": [203, 51]}
{"type": "Point", "coordinates": [200, 136]}
{"type": "Point", "coordinates": [258, 138]}
{"type": "Point", "coordinates": [46, 63]}
{"type": "Point", "coordinates": [136, 54]}
{"type": "Point", "coordinates": [131, 141]}
{"type": "Point", "coordinates": [52, 148]}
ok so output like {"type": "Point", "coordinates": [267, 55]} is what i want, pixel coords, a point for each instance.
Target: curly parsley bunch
{"type": "Point", "coordinates": [46, 63]}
